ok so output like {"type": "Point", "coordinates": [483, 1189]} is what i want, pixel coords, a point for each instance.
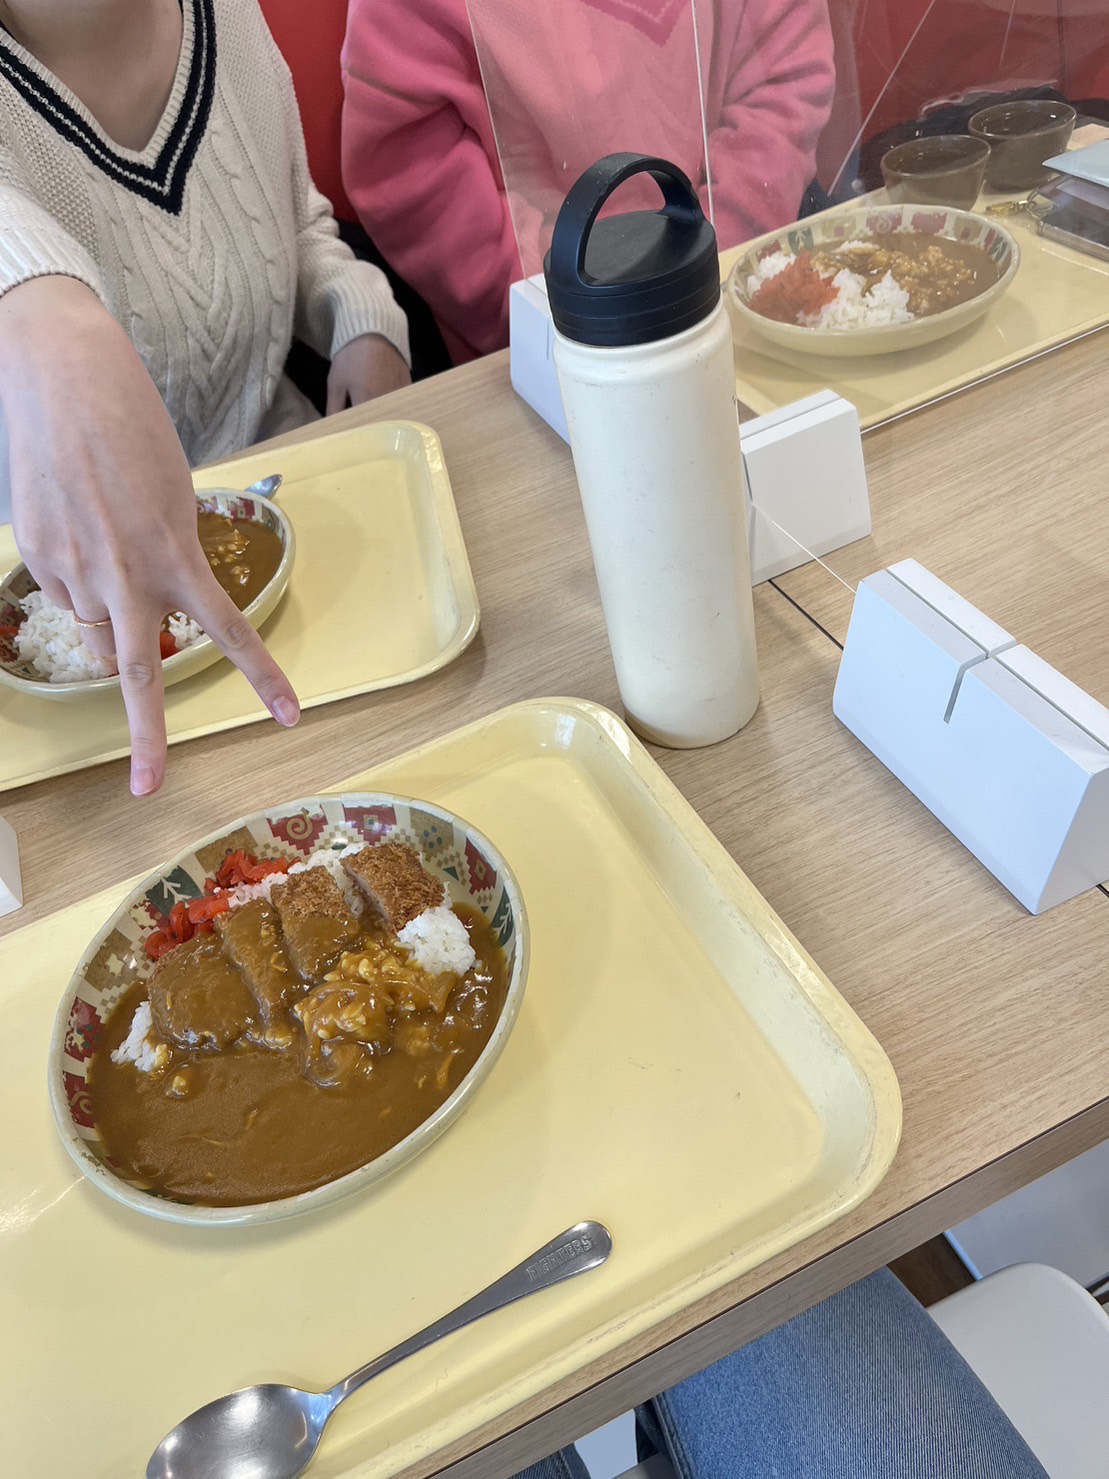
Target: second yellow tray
{"type": "Point", "coordinates": [381, 593]}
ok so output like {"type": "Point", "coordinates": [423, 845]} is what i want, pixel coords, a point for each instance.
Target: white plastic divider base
{"type": "Point", "coordinates": [1008, 754]}
{"type": "Point", "coordinates": [11, 879]}
{"type": "Point", "coordinates": [531, 352]}
{"type": "Point", "coordinates": [805, 483]}
{"type": "Point", "coordinates": [804, 479]}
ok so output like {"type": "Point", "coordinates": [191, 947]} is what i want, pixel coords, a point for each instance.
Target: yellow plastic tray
{"type": "Point", "coordinates": [680, 1070]}
{"type": "Point", "coordinates": [379, 551]}
{"type": "Point", "coordinates": [1057, 295]}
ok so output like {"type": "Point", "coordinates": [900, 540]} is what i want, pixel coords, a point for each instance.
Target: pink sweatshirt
{"type": "Point", "coordinates": [420, 162]}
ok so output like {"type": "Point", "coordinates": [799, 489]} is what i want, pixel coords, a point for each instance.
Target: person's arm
{"type": "Point", "coordinates": [345, 309]}
{"type": "Point", "coordinates": [776, 99]}
{"type": "Point", "coordinates": [102, 500]}
{"type": "Point", "coordinates": [419, 163]}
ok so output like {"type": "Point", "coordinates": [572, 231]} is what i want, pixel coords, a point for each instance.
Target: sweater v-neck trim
{"type": "Point", "coordinates": [158, 172]}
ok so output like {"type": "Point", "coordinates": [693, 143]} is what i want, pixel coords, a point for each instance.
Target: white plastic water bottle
{"type": "Point", "coordinates": [643, 350]}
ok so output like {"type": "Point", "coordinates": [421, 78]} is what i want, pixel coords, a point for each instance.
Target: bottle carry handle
{"type": "Point", "coordinates": [586, 197]}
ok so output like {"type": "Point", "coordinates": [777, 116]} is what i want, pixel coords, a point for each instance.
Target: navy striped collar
{"type": "Point", "coordinates": [162, 179]}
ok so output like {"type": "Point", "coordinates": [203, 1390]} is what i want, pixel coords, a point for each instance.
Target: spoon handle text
{"type": "Point", "coordinates": [579, 1248]}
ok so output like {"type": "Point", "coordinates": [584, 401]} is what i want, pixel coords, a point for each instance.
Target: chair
{"type": "Point", "coordinates": [1040, 1343]}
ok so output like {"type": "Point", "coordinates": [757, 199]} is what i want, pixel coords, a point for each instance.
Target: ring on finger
{"type": "Point", "coordinates": [104, 622]}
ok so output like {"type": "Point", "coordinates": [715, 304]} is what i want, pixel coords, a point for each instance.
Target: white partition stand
{"type": "Point", "coordinates": [805, 483]}
{"type": "Point", "coordinates": [11, 880]}
{"type": "Point", "coordinates": [1011, 756]}
{"type": "Point", "coordinates": [531, 351]}
{"type": "Point", "coordinates": [804, 479]}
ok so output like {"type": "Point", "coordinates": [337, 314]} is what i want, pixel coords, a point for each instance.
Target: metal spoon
{"type": "Point", "coordinates": [266, 487]}
{"type": "Point", "coordinates": [272, 1432]}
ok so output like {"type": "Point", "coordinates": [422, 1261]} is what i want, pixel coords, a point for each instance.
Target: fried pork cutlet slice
{"type": "Point", "coordinates": [198, 998]}
{"type": "Point", "coordinates": [315, 919]}
{"type": "Point", "coordinates": [395, 881]}
{"type": "Point", "coordinates": [251, 936]}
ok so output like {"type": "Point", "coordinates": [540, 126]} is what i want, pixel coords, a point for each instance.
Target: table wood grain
{"type": "Point", "coordinates": [996, 1022]}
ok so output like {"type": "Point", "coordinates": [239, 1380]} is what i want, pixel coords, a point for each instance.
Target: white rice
{"type": "Point", "coordinates": [886, 302]}
{"type": "Point", "coordinates": [141, 1047]}
{"type": "Point", "coordinates": [438, 941]}
{"type": "Point", "coordinates": [769, 266]}
{"type": "Point", "coordinates": [50, 640]}
{"type": "Point", "coordinates": [183, 629]}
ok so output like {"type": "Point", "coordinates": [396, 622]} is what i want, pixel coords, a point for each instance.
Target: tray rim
{"type": "Point", "coordinates": [457, 562]}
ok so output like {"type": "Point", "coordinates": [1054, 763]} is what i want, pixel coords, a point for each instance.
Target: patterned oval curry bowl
{"type": "Point", "coordinates": [117, 1082]}
{"type": "Point", "coordinates": [885, 302]}
{"type": "Point", "coordinates": [19, 671]}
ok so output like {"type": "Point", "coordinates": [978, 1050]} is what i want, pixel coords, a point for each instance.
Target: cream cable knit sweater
{"type": "Point", "coordinates": [211, 246]}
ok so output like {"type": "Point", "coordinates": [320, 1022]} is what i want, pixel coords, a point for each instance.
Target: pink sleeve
{"type": "Point", "coordinates": [772, 103]}
{"type": "Point", "coordinates": [419, 164]}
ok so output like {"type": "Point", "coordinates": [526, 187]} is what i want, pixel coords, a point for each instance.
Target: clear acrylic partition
{"type": "Point", "coordinates": [993, 487]}
{"type": "Point", "coordinates": [997, 491]}
{"type": "Point", "coordinates": [569, 81]}
{"type": "Point", "coordinates": [736, 92]}
{"type": "Point", "coordinates": [908, 69]}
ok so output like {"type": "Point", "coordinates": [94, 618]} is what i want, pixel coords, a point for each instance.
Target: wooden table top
{"type": "Point", "coordinates": [995, 1021]}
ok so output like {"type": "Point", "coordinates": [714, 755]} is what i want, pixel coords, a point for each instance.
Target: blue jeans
{"type": "Point", "coordinates": [864, 1386]}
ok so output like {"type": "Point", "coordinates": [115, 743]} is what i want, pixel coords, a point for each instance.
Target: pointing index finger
{"type": "Point", "coordinates": [213, 608]}
{"type": "Point", "coordinates": [139, 659]}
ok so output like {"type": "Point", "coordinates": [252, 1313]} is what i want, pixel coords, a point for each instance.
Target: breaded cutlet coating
{"type": "Point", "coordinates": [395, 881]}
{"type": "Point", "coordinates": [310, 894]}
{"type": "Point", "coordinates": [315, 919]}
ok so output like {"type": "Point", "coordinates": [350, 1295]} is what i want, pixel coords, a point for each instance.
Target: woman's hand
{"type": "Point", "coordinates": [103, 504]}
{"type": "Point", "coordinates": [366, 367]}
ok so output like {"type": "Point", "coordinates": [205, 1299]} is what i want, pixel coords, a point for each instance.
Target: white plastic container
{"type": "Point", "coordinates": [643, 350]}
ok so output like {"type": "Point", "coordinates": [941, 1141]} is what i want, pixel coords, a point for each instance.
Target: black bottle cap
{"type": "Point", "coordinates": [637, 277]}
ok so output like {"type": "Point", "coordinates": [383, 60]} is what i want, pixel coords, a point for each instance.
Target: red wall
{"type": "Point", "coordinates": [966, 45]}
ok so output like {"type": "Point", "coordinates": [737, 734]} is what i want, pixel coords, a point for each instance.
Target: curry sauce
{"type": "Point", "coordinates": [935, 271]}
{"type": "Point", "coordinates": [266, 1101]}
{"type": "Point", "coordinates": [244, 555]}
